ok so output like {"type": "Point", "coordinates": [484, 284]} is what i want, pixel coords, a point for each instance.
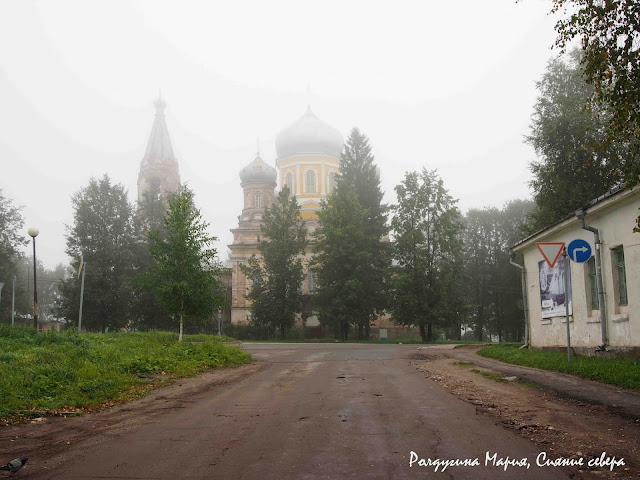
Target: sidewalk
{"type": "Point", "coordinates": [621, 401]}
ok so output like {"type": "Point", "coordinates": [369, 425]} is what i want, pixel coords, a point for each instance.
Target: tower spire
{"type": "Point", "coordinates": [159, 166]}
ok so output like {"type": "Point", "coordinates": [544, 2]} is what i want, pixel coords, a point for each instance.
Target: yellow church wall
{"type": "Point", "coordinates": [299, 166]}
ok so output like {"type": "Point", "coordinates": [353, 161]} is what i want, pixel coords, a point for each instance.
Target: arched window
{"type": "Point", "coordinates": [310, 182]}
{"type": "Point", "coordinates": [258, 200]}
{"type": "Point", "coordinates": [289, 182]}
{"type": "Point", "coordinates": [331, 182]}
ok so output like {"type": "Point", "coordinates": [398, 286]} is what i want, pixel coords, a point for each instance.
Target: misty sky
{"type": "Point", "coordinates": [443, 85]}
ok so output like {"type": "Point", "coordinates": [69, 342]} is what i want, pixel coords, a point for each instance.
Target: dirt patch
{"type": "Point", "coordinates": [51, 436]}
{"type": "Point", "coordinates": [562, 427]}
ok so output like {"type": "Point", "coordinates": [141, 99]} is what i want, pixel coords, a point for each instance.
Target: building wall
{"type": "Point", "coordinates": [614, 218]}
{"type": "Point", "coordinates": [298, 165]}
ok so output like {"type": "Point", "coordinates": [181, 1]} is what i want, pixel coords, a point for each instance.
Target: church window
{"type": "Point", "coordinates": [310, 182]}
{"type": "Point", "coordinates": [289, 182]}
{"type": "Point", "coordinates": [331, 181]}
{"type": "Point", "coordinates": [259, 200]}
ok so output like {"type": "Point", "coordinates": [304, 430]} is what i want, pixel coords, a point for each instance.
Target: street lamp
{"type": "Point", "coordinates": [33, 233]}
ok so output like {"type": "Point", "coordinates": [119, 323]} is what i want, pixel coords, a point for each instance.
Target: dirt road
{"type": "Point", "coordinates": [301, 412]}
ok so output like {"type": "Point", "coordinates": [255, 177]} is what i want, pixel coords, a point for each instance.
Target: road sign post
{"type": "Point", "coordinates": [566, 299]}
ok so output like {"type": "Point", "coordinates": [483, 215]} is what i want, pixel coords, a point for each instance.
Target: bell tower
{"type": "Point", "coordinates": [159, 174]}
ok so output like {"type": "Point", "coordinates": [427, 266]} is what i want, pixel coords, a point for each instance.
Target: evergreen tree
{"type": "Point", "coordinates": [426, 226]}
{"type": "Point", "coordinates": [185, 274]}
{"type": "Point", "coordinates": [277, 274]}
{"type": "Point", "coordinates": [351, 287]}
{"type": "Point", "coordinates": [359, 174]}
{"type": "Point", "coordinates": [103, 234]}
{"type": "Point", "coordinates": [357, 169]}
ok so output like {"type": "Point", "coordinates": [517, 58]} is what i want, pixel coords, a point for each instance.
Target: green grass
{"type": "Point", "coordinates": [464, 364]}
{"type": "Point", "coordinates": [51, 371]}
{"type": "Point", "coordinates": [620, 372]}
{"type": "Point", "coordinates": [492, 375]}
{"type": "Point", "coordinates": [403, 340]}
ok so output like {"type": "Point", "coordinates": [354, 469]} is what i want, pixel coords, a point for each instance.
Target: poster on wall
{"type": "Point", "coordinates": [552, 295]}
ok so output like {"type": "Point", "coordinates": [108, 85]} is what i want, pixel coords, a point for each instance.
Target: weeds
{"type": "Point", "coordinates": [51, 371]}
{"type": "Point", "coordinates": [620, 372]}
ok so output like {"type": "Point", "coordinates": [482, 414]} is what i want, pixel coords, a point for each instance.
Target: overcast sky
{"type": "Point", "coordinates": [442, 85]}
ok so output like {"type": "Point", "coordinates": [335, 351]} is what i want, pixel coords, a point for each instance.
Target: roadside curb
{"type": "Point", "coordinates": [617, 400]}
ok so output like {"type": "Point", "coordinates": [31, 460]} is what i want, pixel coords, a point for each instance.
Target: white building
{"type": "Point", "coordinates": [614, 216]}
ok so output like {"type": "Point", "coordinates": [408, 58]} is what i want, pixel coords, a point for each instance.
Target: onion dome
{"type": "Point", "coordinates": [309, 134]}
{"type": "Point", "coordinates": [258, 171]}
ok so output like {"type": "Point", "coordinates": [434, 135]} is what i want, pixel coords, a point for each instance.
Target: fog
{"type": "Point", "coordinates": [431, 86]}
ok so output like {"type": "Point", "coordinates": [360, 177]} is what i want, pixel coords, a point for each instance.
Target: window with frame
{"type": "Point", "coordinates": [258, 200]}
{"type": "Point", "coordinates": [310, 182]}
{"type": "Point", "coordinates": [621, 275]}
{"type": "Point", "coordinates": [289, 182]}
{"type": "Point", "coordinates": [593, 283]}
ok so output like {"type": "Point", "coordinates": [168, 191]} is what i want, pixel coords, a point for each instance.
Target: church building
{"type": "Point", "coordinates": [308, 161]}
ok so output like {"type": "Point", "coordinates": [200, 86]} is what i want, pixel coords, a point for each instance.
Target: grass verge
{"type": "Point", "coordinates": [621, 372]}
{"type": "Point", "coordinates": [48, 372]}
{"type": "Point", "coordinates": [397, 340]}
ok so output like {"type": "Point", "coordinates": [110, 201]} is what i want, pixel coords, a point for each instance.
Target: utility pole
{"type": "Point", "coordinates": [33, 233]}
{"type": "Point", "coordinates": [83, 267]}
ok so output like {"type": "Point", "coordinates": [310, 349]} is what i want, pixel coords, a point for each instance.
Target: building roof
{"type": "Point", "coordinates": [159, 149]}
{"type": "Point", "coordinates": [615, 191]}
{"type": "Point", "coordinates": [258, 171]}
{"type": "Point", "coordinates": [309, 135]}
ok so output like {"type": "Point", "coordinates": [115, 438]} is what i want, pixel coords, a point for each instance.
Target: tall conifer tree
{"type": "Point", "coordinates": [277, 274]}
{"type": "Point", "coordinates": [358, 189]}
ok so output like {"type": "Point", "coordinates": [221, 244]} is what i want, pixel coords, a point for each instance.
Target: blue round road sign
{"type": "Point", "coordinates": [579, 250]}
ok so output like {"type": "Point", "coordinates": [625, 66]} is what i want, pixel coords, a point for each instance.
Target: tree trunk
{"type": "Point", "coordinates": [181, 327]}
{"type": "Point", "coordinates": [360, 330]}
{"type": "Point", "coordinates": [429, 332]}
{"type": "Point", "coordinates": [423, 333]}
{"type": "Point", "coordinates": [282, 331]}
{"type": "Point", "coordinates": [367, 330]}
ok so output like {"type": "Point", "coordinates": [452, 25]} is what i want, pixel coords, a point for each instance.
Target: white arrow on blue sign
{"type": "Point", "coordinates": [579, 250]}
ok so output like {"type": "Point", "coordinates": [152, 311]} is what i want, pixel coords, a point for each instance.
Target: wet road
{"type": "Point", "coordinates": [329, 411]}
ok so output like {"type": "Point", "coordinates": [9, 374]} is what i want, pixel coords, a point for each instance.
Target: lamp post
{"type": "Point", "coordinates": [33, 233]}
